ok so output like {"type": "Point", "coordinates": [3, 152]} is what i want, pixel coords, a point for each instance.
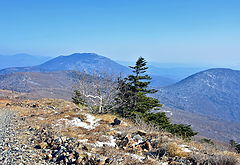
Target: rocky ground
{"type": "Point", "coordinates": [14, 145]}
{"type": "Point", "coordinates": [51, 131]}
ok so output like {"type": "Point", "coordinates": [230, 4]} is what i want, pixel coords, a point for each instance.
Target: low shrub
{"type": "Point", "coordinates": [161, 120]}
{"type": "Point", "coordinates": [237, 147]}
{"type": "Point", "coordinates": [208, 141]}
{"type": "Point", "coordinates": [184, 131]}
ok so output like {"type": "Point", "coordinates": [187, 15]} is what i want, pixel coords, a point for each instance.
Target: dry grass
{"type": "Point", "coordinates": [196, 145]}
{"type": "Point", "coordinates": [220, 151]}
{"type": "Point", "coordinates": [174, 150]}
{"type": "Point", "coordinates": [223, 160]}
{"type": "Point", "coordinates": [217, 159]}
{"type": "Point", "coordinates": [108, 118]}
{"type": "Point", "coordinates": [50, 111]}
{"type": "Point", "coordinates": [101, 128]}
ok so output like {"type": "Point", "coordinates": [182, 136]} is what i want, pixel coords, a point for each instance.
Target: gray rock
{"type": "Point", "coordinates": [116, 122]}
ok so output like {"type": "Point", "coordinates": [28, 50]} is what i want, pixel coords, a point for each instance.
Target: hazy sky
{"type": "Point", "coordinates": [178, 31]}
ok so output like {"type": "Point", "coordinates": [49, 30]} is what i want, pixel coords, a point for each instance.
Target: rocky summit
{"type": "Point", "coordinates": [55, 131]}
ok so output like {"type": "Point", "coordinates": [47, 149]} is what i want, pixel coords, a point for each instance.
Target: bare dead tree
{"type": "Point", "coordinates": [98, 92]}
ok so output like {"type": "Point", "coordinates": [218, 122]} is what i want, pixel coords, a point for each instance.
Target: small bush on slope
{"type": "Point", "coordinates": [238, 148]}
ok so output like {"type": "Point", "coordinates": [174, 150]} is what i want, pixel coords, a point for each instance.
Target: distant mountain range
{"type": "Point", "coordinates": [209, 97]}
{"type": "Point", "coordinates": [89, 63]}
{"type": "Point", "coordinates": [214, 93]}
{"type": "Point", "coordinates": [21, 60]}
{"type": "Point", "coordinates": [173, 71]}
{"type": "Point", "coordinates": [60, 84]}
{"type": "Point", "coordinates": [83, 62]}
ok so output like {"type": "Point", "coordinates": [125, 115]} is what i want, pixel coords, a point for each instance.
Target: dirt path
{"type": "Point", "coordinates": [14, 147]}
{"type": "Point", "coordinates": [6, 135]}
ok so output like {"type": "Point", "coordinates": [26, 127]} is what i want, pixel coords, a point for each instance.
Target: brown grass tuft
{"type": "Point", "coordinates": [174, 150]}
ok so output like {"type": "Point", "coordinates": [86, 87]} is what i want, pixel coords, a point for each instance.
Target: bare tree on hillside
{"type": "Point", "coordinates": [97, 92]}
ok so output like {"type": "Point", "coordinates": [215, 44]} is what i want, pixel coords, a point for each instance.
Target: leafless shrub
{"type": "Point", "coordinates": [140, 124]}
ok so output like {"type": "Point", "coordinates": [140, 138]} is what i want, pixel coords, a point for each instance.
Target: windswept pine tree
{"type": "Point", "coordinates": [134, 89]}
{"type": "Point", "coordinates": [134, 101]}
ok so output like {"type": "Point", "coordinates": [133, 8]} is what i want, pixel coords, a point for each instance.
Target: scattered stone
{"type": "Point", "coordinates": [142, 133]}
{"type": "Point", "coordinates": [41, 145]}
{"type": "Point", "coordinates": [138, 138]}
{"type": "Point", "coordinates": [8, 104]}
{"type": "Point", "coordinates": [24, 144]}
{"type": "Point", "coordinates": [34, 105]}
{"type": "Point", "coordinates": [147, 146]}
{"type": "Point", "coordinates": [158, 154]}
{"type": "Point", "coordinates": [13, 148]}
{"type": "Point", "coordinates": [51, 107]}
{"type": "Point", "coordinates": [116, 122]}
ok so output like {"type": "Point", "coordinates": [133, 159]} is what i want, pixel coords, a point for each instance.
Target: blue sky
{"type": "Point", "coordinates": [177, 31]}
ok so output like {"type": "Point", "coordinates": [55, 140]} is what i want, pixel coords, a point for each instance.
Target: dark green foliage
{"type": "Point", "coordinates": [182, 130]}
{"type": "Point", "coordinates": [139, 82]}
{"type": "Point", "coordinates": [159, 119]}
{"type": "Point", "coordinates": [132, 92]}
{"type": "Point", "coordinates": [237, 147]}
{"type": "Point", "coordinates": [124, 99]}
{"type": "Point", "coordinates": [232, 143]}
{"type": "Point", "coordinates": [134, 101]}
{"type": "Point", "coordinates": [145, 103]}
{"type": "Point", "coordinates": [77, 98]}
{"type": "Point", "coordinates": [205, 140]}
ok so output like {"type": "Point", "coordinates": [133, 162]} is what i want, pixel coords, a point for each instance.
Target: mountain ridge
{"type": "Point", "coordinates": [212, 92]}
{"type": "Point", "coordinates": [90, 63]}
{"type": "Point", "coordinates": [77, 61]}
{"type": "Point", "coordinates": [21, 60]}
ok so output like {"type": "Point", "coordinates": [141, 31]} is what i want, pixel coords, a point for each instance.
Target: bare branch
{"type": "Point", "coordinates": [98, 91]}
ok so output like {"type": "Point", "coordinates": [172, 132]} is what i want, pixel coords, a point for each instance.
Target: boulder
{"type": "Point", "coordinates": [116, 122]}
{"type": "Point", "coordinates": [141, 132]}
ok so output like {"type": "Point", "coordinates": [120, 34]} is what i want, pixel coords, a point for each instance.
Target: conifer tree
{"type": "Point", "coordinates": [134, 90]}
{"type": "Point", "coordinates": [133, 101]}
{"type": "Point", "coordinates": [139, 82]}
{"type": "Point", "coordinates": [238, 148]}
{"type": "Point", "coordinates": [78, 98]}
{"type": "Point", "coordinates": [232, 143]}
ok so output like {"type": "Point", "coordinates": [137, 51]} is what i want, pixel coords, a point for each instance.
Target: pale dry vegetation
{"type": "Point", "coordinates": [56, 114]}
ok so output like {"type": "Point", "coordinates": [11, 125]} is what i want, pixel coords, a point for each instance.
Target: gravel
{"type": "Point", "coordinates": [14, 147]}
